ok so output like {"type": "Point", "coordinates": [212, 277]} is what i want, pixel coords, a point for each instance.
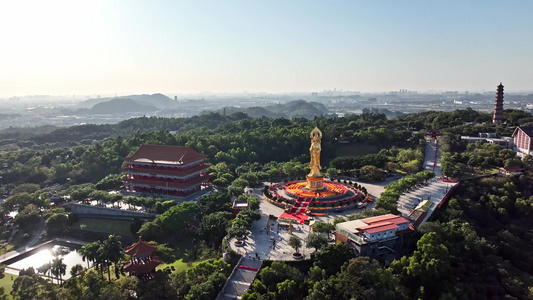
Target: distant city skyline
{"type": "Point", "coordinates": [191, 47]}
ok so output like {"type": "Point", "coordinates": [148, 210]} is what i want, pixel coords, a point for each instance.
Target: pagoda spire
{"type": "Point", "coordinates": [498, 106]}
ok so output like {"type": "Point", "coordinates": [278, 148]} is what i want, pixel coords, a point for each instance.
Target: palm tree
{"type": "Point", "coordinates": [76, 270]}
{"type": "Point", "coordinates": [89, 252]}
{"type": "Point", "coordinates": [112, 252]}
{"type": "Point", "coordinates": [58, 268]}
{"type": "Point", "coordinates": [45, 268]}
{"type": "Point", "coordinates": [84, 252]}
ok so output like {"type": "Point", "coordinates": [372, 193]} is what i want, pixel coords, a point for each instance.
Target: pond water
{"type": "Point", "coordinates": [45, 255]}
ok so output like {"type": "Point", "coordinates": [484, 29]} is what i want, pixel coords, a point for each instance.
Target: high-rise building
{"type": "Point", "coordinates": [498, 106]}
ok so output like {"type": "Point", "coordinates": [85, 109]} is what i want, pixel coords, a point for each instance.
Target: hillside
{"type": "Point", "coordinates": [253, 112]}
{"type": "Point", "coordinates": [156, 100]}
{"type": "Point", "coordinates": [292, 109]}
{"type": "Point", "coordinates": [123, 105]}
{"type": "Point", "coordinates": [299, 108]}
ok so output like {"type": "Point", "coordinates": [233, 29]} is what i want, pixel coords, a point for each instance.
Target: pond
{"type": "Point", "coordinates": [47, 254]}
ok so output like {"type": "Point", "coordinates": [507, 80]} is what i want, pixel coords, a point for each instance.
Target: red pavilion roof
{"type": "Point", "coordinates": [140, 248]}
{"type": "Point", "coordinates": [165, 154]}
{"type": "Point", "coordinates": [142, 268]}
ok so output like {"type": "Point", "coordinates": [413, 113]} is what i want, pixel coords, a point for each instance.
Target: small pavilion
{"type": "Point", "coordinates": [142, 264]}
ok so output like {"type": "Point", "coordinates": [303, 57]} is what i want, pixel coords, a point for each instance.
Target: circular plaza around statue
{"type": "Point", "coordinates": [314, 196]}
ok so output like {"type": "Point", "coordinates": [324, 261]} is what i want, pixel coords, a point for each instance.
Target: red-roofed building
{"type": "Point", "coordinates": [382, 236]}
{"type": "Point", "coordinates": [142, 264]}
{"type": "Point", "coordinates": [176, 171]}
{"type": "Point", "coordinates": [523, 140]}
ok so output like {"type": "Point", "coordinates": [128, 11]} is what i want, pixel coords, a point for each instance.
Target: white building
{"type": "Point", "coordinates": [375, 236]}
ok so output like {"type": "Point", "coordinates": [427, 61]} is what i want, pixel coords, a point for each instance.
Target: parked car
{"type": "Point", "coordinates": [361, 204]}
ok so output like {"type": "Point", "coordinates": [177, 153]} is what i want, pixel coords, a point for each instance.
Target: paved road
{"type": "Point", "coordinates": [31, 243]}
{"type": "Point", "coordinates": [434, 191]}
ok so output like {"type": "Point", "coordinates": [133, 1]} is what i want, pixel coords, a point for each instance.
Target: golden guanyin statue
{"type": "Point", "coordinates": [316, 138]}
{"type": "Point", "coordinates": [315, 178]}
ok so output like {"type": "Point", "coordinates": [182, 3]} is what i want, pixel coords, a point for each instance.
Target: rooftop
{"type": "Point", "coordinates": [373, 224]}
{"type": "Point", "coordinates": [528, 130]}
{"type": "Point", "coordinates": [379, 227]}
{"type": "Point", "coordinates": [165, 154]}
{"type": "Point", "coordinates": [140, 248]}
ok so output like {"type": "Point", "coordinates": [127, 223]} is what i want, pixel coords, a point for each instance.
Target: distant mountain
{"type": "Point", "coordinates": [157, 100]}
{"type": "Point", "coordinates": [253, 112]}
{"type": "Point", "coordinates": [292, 109]}
{"type": "Point", "coordinates": [122, 105]}
{"type": "Point", "coordinates": [299, 109]}
{"type": "Point", "coordinates": [386, 112]}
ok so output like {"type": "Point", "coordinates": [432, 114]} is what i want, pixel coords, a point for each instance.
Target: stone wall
{"type": "Point", "coordinates": [84, 210]}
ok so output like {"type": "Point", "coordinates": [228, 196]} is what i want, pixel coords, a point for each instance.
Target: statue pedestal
{"type": "Point", "coordinates": [315, 183]}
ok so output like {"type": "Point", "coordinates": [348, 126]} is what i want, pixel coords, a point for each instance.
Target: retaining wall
{"type": "Point", "coordinates": [99, 212]}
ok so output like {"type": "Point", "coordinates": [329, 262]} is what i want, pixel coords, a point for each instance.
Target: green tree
{"type": "Point", "coordinates": [428, 266]}
{"type": "Point", "coordinates": [295, 243]}
{"type": "Point", "coordinates": [29, 188]}
{"type": "Point", "coordinates": [316, 240]}
{"type": "Point", "coordinates": [363, 277]}
{"type": "Point", "coordinates": [17, 202]}
{"type": "Point", "coordinates": [214, 202]}
{"type": "Point", "coordinates": [324, 227]}
{"type": "Point", "coordinates": [28, 216]}
{"type": "Point", "coordinates": [152, 230]}
{"type": "Point", "coordinates": [89, 252]}
{"type": "Point", "coordinates": [76, 270]}
{"type": "Point", "coordinates": [33, 287]}
{"type": "Point", "coordinates": [332, 256]}
{"type": "Point", "coordinates": [288, 289]}
{"type": "Point", "coordinates": [109, 182]}
{"type": "Point", "coordinates": [165, 253]}
{"type": "Point", "coordinates": [371, 173]}
{"type": "Point", "coordinates": [58, 268]}
{"type": "Point", "coordinates": [253, 203]}
{"type": "Point", "coordinates": [177, 216]}
{"type": "Point", "coordinates": [112, 252]}
{"type": "Point", "coordinates": [56, 224]}
{"type": "Point", "coordinates": [213, 227]}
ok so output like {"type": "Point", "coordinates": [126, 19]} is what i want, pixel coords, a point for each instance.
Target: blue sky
{"type": "Point", "coordinates": [106, 47]}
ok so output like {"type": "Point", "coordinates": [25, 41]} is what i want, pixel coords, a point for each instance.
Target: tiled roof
{"type": "Point", "coordinates": [165, 154]}
{"type": "Point", "coordinates": [379, 227]}
{"type": "Point", "coordinates": [528, 130]}
{"type": "Point", "coordinates": [140, 249]}
{"type": "Point", "coordinates": [389, 218]}
{"type": "Point", "coordinates": [512, 169]}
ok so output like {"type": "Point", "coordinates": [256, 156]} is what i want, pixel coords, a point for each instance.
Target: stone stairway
{"type": "Point", "coordinates": [240, 279]}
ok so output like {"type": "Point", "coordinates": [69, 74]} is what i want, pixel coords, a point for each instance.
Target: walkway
{"type": "Point", "coordinates": [31, 243]}
{"type": "Point", "coordinates": [434, 191]}
{"type": "Point", "coordinates": [297, 213]}
{"type": "Point", "coordinates": [240, 279]}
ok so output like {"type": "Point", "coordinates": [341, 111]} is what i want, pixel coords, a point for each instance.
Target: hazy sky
{"type": "Point", "coordinates": [89, 47]}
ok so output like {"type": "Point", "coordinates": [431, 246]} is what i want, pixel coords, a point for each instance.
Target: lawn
{"type": "Point", "coordinates": [19, 240]}
{"type": "Point", "coordinates": [118, 227]}
{"type": "Point", "coordinates": [188, 253]}
{"type": "Point", "coordinates": [178, 265]}
{"type": "Point", "coordinates": [7, 284]}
